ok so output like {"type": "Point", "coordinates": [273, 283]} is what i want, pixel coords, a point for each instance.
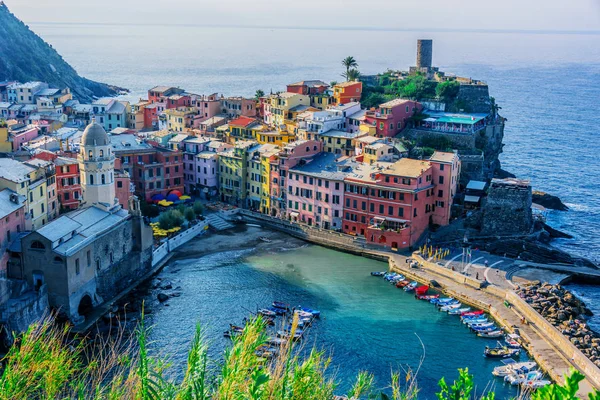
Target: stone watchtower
{"type": "Point", "coordinates": [97, 167]}
{"type": "Point", "coordinates": [424, 53]}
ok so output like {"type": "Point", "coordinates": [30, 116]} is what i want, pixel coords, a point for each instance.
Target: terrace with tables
{"type": "Point", "coordinates": [458, 123]}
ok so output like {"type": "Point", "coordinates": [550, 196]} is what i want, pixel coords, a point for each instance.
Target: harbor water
{"type": "Point", "coordinates": [366, 324]}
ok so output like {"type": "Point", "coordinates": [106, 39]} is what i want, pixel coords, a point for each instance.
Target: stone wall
{"type": "Point", "coordinates": [173, 243]}
{"type": "Point", "coordinates": [472, 99]}
{"type": "Point", "coordinates": [507, 209]}
{"type": "Point", "coordinates": [457, 141]}
{"type": "Point", "coordinates": [21, 311]}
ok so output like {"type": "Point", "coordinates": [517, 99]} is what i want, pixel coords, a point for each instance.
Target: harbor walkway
{"type": "Point", "coordinates": [550, 357]}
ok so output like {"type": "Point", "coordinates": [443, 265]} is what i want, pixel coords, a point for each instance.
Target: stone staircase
{"type": "Point", "coordinates": [217, 223]}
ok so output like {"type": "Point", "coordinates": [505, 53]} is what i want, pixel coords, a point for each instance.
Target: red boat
{"type": "Point", "coordinates": [421, 290]}
{"type": "Point", "coordinates": [471, 313]}
{"type": "Point", "coordinates": [401, 284]}
{"type": "Point", "coordinates": [428, 296]}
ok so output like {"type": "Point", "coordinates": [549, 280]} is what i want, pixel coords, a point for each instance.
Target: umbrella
{"type": "Point", "coordinates": [172, 197]}
{"type": "Point", "coordinates": [165, 203]}
{"type": "Point", "coordinates": [158, 197]}
{"type": "Point", "coordinates": [176, 193]}
{"type": "Point", "coordinates": [185, 197]}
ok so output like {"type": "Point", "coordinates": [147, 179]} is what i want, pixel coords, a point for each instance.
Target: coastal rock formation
{"type": "Point", "coordinates": [24, 56]}
{"type": "Point", "coordinates": [548, 201]}
{"type": "Point", "coordinates": [567, 313]}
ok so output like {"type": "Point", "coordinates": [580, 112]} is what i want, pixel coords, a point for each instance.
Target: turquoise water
{"type": "Point", "coordinates": [367, 324]}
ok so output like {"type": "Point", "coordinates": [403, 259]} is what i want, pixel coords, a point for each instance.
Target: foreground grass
{"type": "Point", "coordinates": [46, 363]}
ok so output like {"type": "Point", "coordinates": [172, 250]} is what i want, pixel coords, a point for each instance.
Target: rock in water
{"type": "Point", "coordinates": [548, 201]}
{"type": "Point", "coordinates": [162, 297]}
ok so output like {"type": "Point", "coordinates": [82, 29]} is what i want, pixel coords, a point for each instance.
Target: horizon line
{"type": "Point", "coordinates": [333, 28]}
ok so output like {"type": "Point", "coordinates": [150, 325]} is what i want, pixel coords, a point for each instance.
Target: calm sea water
{"type": "Point", "coordinates": [547, 84]}
{"type": "Point", "coordinates": [366, 324]}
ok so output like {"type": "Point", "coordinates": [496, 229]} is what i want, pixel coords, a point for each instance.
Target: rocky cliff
{"type": "Point", "coordinates": [24, 56]}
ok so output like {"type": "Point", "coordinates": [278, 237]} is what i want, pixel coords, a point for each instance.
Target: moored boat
{"type": "Point", "coordinates": [310, 311]}
{"type": "Point", "coordinates": [287, 335]}
{"type": "Point", "coordinates": [490, 334]}
{"type": "Point", "coordinates": [472, 321]}
{"type": "Point", "coordinates": [450, 307]}
{"type": "Point", "coordinates": [482, 325]}
{"type": "Point", "coordinates": [402, 283]}
{"type": "Point", "coordinates": [281, 305]}
{"type": "Point", "coordinates": [441, 301]}
{"type": "Point", "coordinates": [512, 341]}
{"type": "Point", "coordinates": [411, 286]}
{"type": "Point", "coordinates": [500, 352]}
{"type": "Point", "coordinates": [265, 312]}
{"type": "Point", "coordinates": [378, 273]}
{"type": "Point", "coordinates": [510, 367]}
{"type": "Point", "coordinates": [518, 379]}
{"type": "Point", "coordinates": [536, 384]}
{"type": "Point", "coordinates": [428, 297]}
{"type": "Point", "coordinates": [458, 311]}
{"type": "Point", "coordinates": [421, 290]}
{"type": "Point", "coordinates": [472, 313]}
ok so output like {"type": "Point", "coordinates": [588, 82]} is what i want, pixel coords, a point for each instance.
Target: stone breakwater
{"type": "Point", "coordinates": [567, 313]}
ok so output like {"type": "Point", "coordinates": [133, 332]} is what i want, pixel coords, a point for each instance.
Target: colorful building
{"type": "Point", "coordinates": [392, 116]}
{"type": "Point", "coordinates": [275, 137]}
{"type": "Point", "coordinates": [12, 222]}
{"type": "Point", "coordinates": [21, 134]}
{"type": "Point", "coordinates": [277, 109]}
{"type": "Point", "coordinates": [316, 192]}
{"type": "Point", "coordinates": [68, 183]}
{"type": "Point", "coordinates": [390, 204]}
{"type": "Point", "coordinates": [243, 128]}
{"type": "Point", "coordinates": [446, 173]}
{"type": "Point", "coordinates": [339, 142]}
{"type": "Point", "coordinates": [233, 172]}
{"type": "Point", "coordinates": [238, 106]}
{"type": "Point", "coordinates": [30, 182]}
{"type": "Point", "coordinates": [159, 94]}
{"type": "Point", "coordinates": [5, 143]}
{"type": "Point", "coordinates": [347, 92]}
{"type": "Point", "coordinates": [181, 119]}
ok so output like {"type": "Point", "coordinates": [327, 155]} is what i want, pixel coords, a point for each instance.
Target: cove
{"type": "Point", "coordinates": [366, 324]}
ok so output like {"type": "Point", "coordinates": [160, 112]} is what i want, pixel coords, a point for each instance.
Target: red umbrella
{"type": "Point", "coordinates": [176, 193]}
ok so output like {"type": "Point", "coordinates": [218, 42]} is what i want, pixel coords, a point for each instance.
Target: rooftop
{"type": "Point", "coordinates": [341, 134]}
{"type": "Point", "coordinates": [79, 228]}
{"type": "Point", "coordinates": [407, 167]}
{"type": "Point", "coordinates": [457, 118]}
{"type": "Point", "coordinates": [242, 121]}
{"type": "Point", "coordinates": [161, 89]}
{"type": "Point", "coordinates": [346, 84]}
{"type": "Point", "coordinates": [394, 103]}
{"type": "Point", "coordinates": [8, 206]}
{"type": "Point", "coordinates": [14, 171]}
{"type": "Point", "coordinates": [127, 143]}
{"type": "Point", "coordinates": [443, 156]}
{"type": "Point", "coordinates": [118, 107]}
{"type": "Point", "coordinates": [343, 107]}
{"type": "Point", "coordinates": [47, 92]}
{"type": "Point", "coordinates": [103, 101]}
{"type": "Point", "coordinates": [180, 137]}
{"type": "Point", "coordinates": [310, 83]}
{"type": "Point", "coordinates": [323, 165]}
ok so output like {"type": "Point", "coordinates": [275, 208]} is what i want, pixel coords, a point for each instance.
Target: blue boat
{"type": "Point", "coordinates": [315, 313]}
{"type": "Point", "coordinates": [411, 286]}
{"type": "Point", "coordinates": [378, 273]}
{"type": "Point", "coordinates": [443, 300]}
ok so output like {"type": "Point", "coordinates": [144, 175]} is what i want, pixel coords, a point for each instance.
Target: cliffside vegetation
{"type": "Point", "coordinates": [47, 363]}
{"type": "Point", "coordinates": [24, 56]}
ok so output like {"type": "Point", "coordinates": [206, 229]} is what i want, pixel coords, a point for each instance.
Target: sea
{"type": "Point", "coordinates": [547, 83]}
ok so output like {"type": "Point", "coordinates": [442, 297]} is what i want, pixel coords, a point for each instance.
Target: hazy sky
{"type": "Point", "coordinates": [573, 15]}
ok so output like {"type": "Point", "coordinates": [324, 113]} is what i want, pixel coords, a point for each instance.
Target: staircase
{"type": "Point", "coordinates": [218, 223]}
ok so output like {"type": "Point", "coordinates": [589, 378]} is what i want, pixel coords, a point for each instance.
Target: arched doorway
{"type": "Point", "coordinates": [85, 305]}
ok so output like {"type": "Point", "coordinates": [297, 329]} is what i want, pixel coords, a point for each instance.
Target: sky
{"type": "Point", "coordinates": [536, 15]}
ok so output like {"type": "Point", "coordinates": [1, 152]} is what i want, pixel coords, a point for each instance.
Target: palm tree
{"type": "Point", "coordinates": [351, 75]}
{"type": "Point", "coordinates": [349, 62]}
{"type": "Point", "coordinates": [259, 93]}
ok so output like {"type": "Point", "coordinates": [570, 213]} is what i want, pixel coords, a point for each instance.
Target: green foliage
{"type": "Point", "coordinates": [351, 75]}
{"type": "Point", "coordinates": [440, 143]}
{"type": "Point", "coordinates": [373, 100]}
{"type": "Point", "coordinates": [149, 210]}
{"type": "Point", "coordinates": [189, 214]}
{"type": "Point", "coordinates": [170, 219]}
{"type": "Point", "coordinates": [259, 93]}
{"type": "Point", "coordinates": [447, 91]}
{"type": "Point", "coordinates": [46, 363]}
{"type": "Point", "coordinates": [414, 87]}
{"type": "Point", "coordinates": [198, 208]}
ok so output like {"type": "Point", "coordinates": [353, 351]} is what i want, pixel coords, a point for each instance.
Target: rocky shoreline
{"type": "Point", "coordinates": [567, 313]}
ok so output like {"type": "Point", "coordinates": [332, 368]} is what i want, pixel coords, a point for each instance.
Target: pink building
{"type": "Point", "coordinates": [201, 165]}
{"type": "Point", "coordinates": [291, 155]}
{"type": "Point", "coordinates": [446, 172]}
{"type": "Point", "coordinates": [316, 192]}
{"type": "Point", "coordinates": [392, 116]}
{"type": "Point", "coordinates": [209, 106]}
{"type": "Point", "coordinates": [12, 221]}
{"type": "Point", "coordinates": [122, 184]}
{"type": "Point", "coordinates": [21, 134]}
{"type": "Point", "coordinates": [391, 204]}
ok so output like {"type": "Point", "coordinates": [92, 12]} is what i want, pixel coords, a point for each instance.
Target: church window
{"type": "Point", "coordinates": [91, 179]}
{"type": "Point", "coordinates": [101, 153]}
{"type": "Point", "coordinates": [103, 179]}
{"type": "Point", "coordinates": [36, 244]}
{"type": "Point", "coordinates": [90, 154]}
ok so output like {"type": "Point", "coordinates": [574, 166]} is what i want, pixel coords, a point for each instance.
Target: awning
{"type": "Point", "coordinates": [476, 185]}
{"type": "Point", "coordinates": [294, 214]}
{"type": "Point", "coordinates": [472, 199]}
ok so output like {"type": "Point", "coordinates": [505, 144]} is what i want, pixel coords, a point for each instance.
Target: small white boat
{"type": "Point", "coordinates": [490, 334]}
{"type": "Point", "coordinates": [512, 341]}
{"type": "Point", "coordinates": [450, 307]}
{"type": "Point", "coordinates": [481, 325]}
{"type": "Point", "coordinates": [510, 366]}
{"type": "Point", "coordinates": [536, 384]}
{"type": "Point", "coordinates": [518, 379]}
{"type": "Point", "coordinates": [458, 311]}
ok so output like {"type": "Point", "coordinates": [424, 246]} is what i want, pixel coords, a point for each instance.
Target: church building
{"type": "Point", "coordinates": [88, 256]}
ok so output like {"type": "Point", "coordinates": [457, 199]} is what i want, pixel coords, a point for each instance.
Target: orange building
{"type": "Point", "coordinates": [347, 92]}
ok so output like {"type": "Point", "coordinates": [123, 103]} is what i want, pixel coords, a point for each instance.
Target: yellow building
{"type": "Point", "coordinates": [31, 183]}
{"type": "Point", "coordinates": [321, 101]}
{"type": "Point", "coordinates": [278, 106]}
{"type": "Point", "coordinates": [181, 119]}
{"type": "Point", "coordinates": [276, 137]}
{"type": "Point", "coordinates": [5, 145]}
{"type": "Point", "coordinates": [136, 115]}
{"type": "Point", "coordinates": [243, 128]}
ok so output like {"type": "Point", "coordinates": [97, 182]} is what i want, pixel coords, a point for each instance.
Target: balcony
{"type": "Point", "coordinates": [389, 224]}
